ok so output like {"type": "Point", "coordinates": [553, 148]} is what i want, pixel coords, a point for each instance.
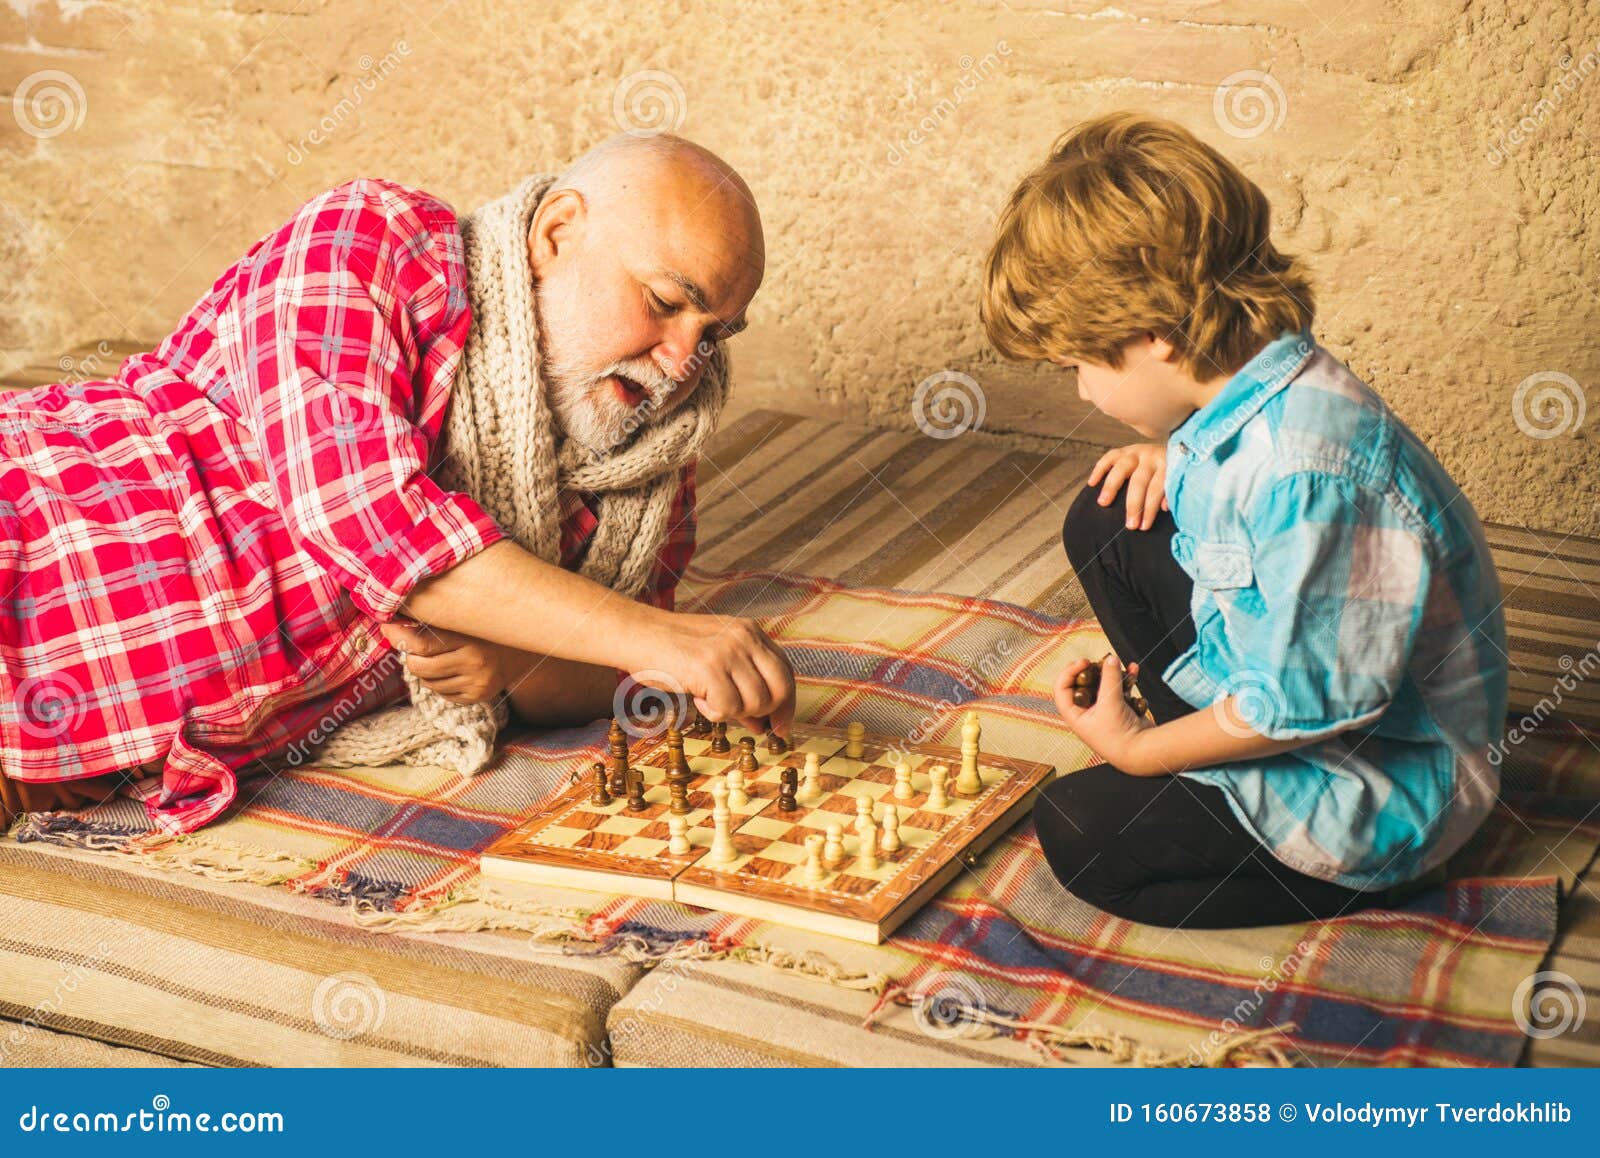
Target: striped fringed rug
{"type": "Point", "coordinates": [1005, 950]}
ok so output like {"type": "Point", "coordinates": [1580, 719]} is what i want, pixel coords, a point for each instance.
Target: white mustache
{"type": "Point", "coordinates": [656, 385]}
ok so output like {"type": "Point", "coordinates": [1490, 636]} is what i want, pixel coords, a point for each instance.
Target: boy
{"type": "Point", "coordinates": [1305, 597]}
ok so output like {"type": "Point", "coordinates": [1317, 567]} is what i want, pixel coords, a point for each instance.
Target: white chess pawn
{"type": "Point", "coordinates": [833, 849]}
{"type": "Point", "coordinates": [814, 868]}
{"type": "Point", "coordinates": [811, 786]}
{"type": "Point", "coordinates": [902, 781]}
{"type": "Point", "coordinates": [936, 776]}
{"type": "Point", "coordinates": [678, 827]}
{"type": "Point", "coordinates": [867, 852]}
{"type": "Point", "coordinates": [890, 841]}
{"type": "Point", "coordinates": [855, 735]}
{"type": "Point", "coordinates": [865, 814]}
{"type": "Point", "coordinates": [737, 796]}
{"type": "Point", "coordinates": [969, 782]}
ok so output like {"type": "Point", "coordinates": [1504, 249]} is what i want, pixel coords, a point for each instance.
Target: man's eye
{"type": "Point", "coordinates": [660, 306]}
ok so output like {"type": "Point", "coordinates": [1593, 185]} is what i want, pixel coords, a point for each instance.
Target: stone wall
{"type": "Point", "coordinates": [1435, 159]}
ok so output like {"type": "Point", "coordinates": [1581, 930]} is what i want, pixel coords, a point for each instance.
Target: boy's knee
{"type": "Point", "coordinates": [1064, 814]}
{"type": "Point", "coordinates": [1088, 526]}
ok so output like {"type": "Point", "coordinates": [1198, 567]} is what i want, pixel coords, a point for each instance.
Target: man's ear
{"type": "Point", "coordinates": [557, 223]}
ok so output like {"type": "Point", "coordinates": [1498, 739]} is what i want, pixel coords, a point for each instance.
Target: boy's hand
{"type": "Point", "coordinates": [1109, 725]}
{"type": "Point", "coordinates": [460, 668]}
{"type": "Point", "coordinates": [1143, 467]}
{"type": "Point", "coordinates": [728, 665]}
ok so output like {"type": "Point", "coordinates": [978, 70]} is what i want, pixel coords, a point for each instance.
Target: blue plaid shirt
{"type": "Point", "coordinates": [1344, 592]}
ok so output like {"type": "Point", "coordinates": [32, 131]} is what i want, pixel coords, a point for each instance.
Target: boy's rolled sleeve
{"type": "Point", "coordinates": [341, 331]}
{"type": "Point", "coordinates": [1340, 584]}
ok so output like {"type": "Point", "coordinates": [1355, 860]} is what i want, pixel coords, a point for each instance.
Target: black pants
{"type": "Point", "coordinates": [1163, 850]}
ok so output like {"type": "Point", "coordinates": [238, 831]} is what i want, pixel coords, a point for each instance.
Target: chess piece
{"type": "Point", "coordinates": [636, 800]}
{"type": "Point", "coordinates": [1086, 689]}
{"type": "Point", "coordinates": [677, 764]}
{"type": "Point", "coordinates": [600, 797]}
{"type": "Point", "coordinates": [776, 744]}
{"type": "Point", "coordinates": [788, 782]}
{"type": "Point", "coordinates": [890, 842]}
{"type": "Point", "coordinates": [855, 734]}
{"type": "Point", "coordinates": [747, 755]}
{"type": "Point", "coordinates": [968, 781]}
{"type": "Point", "coordinates": [815, 871]}
{"type": "Point", "coordinates": [936, 778]}
{"type": "Point", "coordinates": [811, 790]}
{"type": "Point", "coordinates": [902, 781]}
{"type": "Point", "coordinates": [867, 848]}
{"type": "Point", "coordinates": [719, 738]}
{"type": "Point", "coordinates": [678, 795]}
{"type": "Point", "coordinates": [865, 814]}
{"type": "Point", "coordinates": [723, 850]}
{"type": "Point", "coordinates": [833, 849]}
{"type": "Point", "coordinates": [678, 827]}
{"type": "Point", "coordinates": [737, 796]}
{"type": "Point", "coordinates": [617, 742]}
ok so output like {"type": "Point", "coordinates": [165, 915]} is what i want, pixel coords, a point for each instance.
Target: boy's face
{"type": "Point", "coordinates": [1149, 393]}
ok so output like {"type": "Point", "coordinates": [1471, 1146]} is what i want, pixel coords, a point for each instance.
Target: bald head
{"type": "Point", "coordinates": [645, 253]}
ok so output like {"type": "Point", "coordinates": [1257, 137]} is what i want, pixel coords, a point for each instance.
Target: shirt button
{"type": "Point", "coordinates": [1183, 448]}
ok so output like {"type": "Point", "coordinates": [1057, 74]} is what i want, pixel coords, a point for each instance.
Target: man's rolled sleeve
{"type": "Point", "coordinates": [334, 357]}
{"type": "Point", "coordinates": [1340, 583]}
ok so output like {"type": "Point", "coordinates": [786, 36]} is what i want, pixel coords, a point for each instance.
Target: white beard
{"type": "Point", "coordinates": [582, 401]}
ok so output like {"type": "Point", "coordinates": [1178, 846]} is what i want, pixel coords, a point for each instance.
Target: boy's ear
{"type": "Point", "coordinates": [1160, 347]}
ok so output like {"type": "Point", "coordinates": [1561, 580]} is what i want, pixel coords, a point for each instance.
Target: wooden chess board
{"type": "Point", "coordinates": [612, 848]}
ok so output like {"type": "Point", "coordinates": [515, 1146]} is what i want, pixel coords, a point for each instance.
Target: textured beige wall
{"type": "Point", "coordinates": [1452, 248]}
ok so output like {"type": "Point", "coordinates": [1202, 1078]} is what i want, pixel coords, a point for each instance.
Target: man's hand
{"type": "Point", "coordinates": [460, 668]}
{"type": "Point", "coordinates": [728, 666]}
{"type": "Point", "coordinates": [1109, 726]}
{"type": "Point", "coordinates": [1143, 467]}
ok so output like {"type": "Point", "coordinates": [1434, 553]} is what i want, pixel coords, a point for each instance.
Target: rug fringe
{"type": "Point", "coordinates": [218, 859]}
{"type": "Point", "coordinates": [469, 909]}
{"type": "Point", "coordinates": [973, 1019]}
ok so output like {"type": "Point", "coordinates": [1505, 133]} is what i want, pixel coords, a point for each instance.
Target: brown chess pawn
{"type": "Point", "coordinates": [636, 800]}
{"type": "Point", "coordinates": [600, 797]}
{"type": "Point", "coordinates": [776, 744]}
{"type": "Point", "coordinates": [747, 755]}
{"type": "Point", "coordinates": [678, 790]}
{"type": "Point", "coordinates": [617, 742]}
{"type": "Point", "coordinates": [719, 738]}
{"type": "Point", "coordinates": [1086, 689]}
{"type": "Point", "coordinates": [788, 788]}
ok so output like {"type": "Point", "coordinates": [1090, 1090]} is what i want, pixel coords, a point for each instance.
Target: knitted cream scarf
{"type": "Point", "coordinates": [501, 446]}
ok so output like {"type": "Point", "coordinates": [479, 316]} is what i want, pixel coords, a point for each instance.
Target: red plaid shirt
{"type": "Point", "coordinates": [196, 553]}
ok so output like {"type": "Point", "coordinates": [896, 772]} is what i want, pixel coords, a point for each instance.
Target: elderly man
{"type": "Point", "coordinates": [487, 424]}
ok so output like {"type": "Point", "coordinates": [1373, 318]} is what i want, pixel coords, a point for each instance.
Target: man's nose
{"type": "Point", "coordinates": [680, 359]}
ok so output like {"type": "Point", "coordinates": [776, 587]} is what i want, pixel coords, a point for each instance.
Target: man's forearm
{"type": "Point", "coordinates": [508, 596]}
{"type": "Point", "coordinates": [555, 693]}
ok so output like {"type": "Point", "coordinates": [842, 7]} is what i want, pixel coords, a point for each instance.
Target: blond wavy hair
{"type": "Point", "coordinates": [1134, 224]}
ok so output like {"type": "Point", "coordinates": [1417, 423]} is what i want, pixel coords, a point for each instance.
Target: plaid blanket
{"type": "Point", "coordinates": [1004, 950]}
